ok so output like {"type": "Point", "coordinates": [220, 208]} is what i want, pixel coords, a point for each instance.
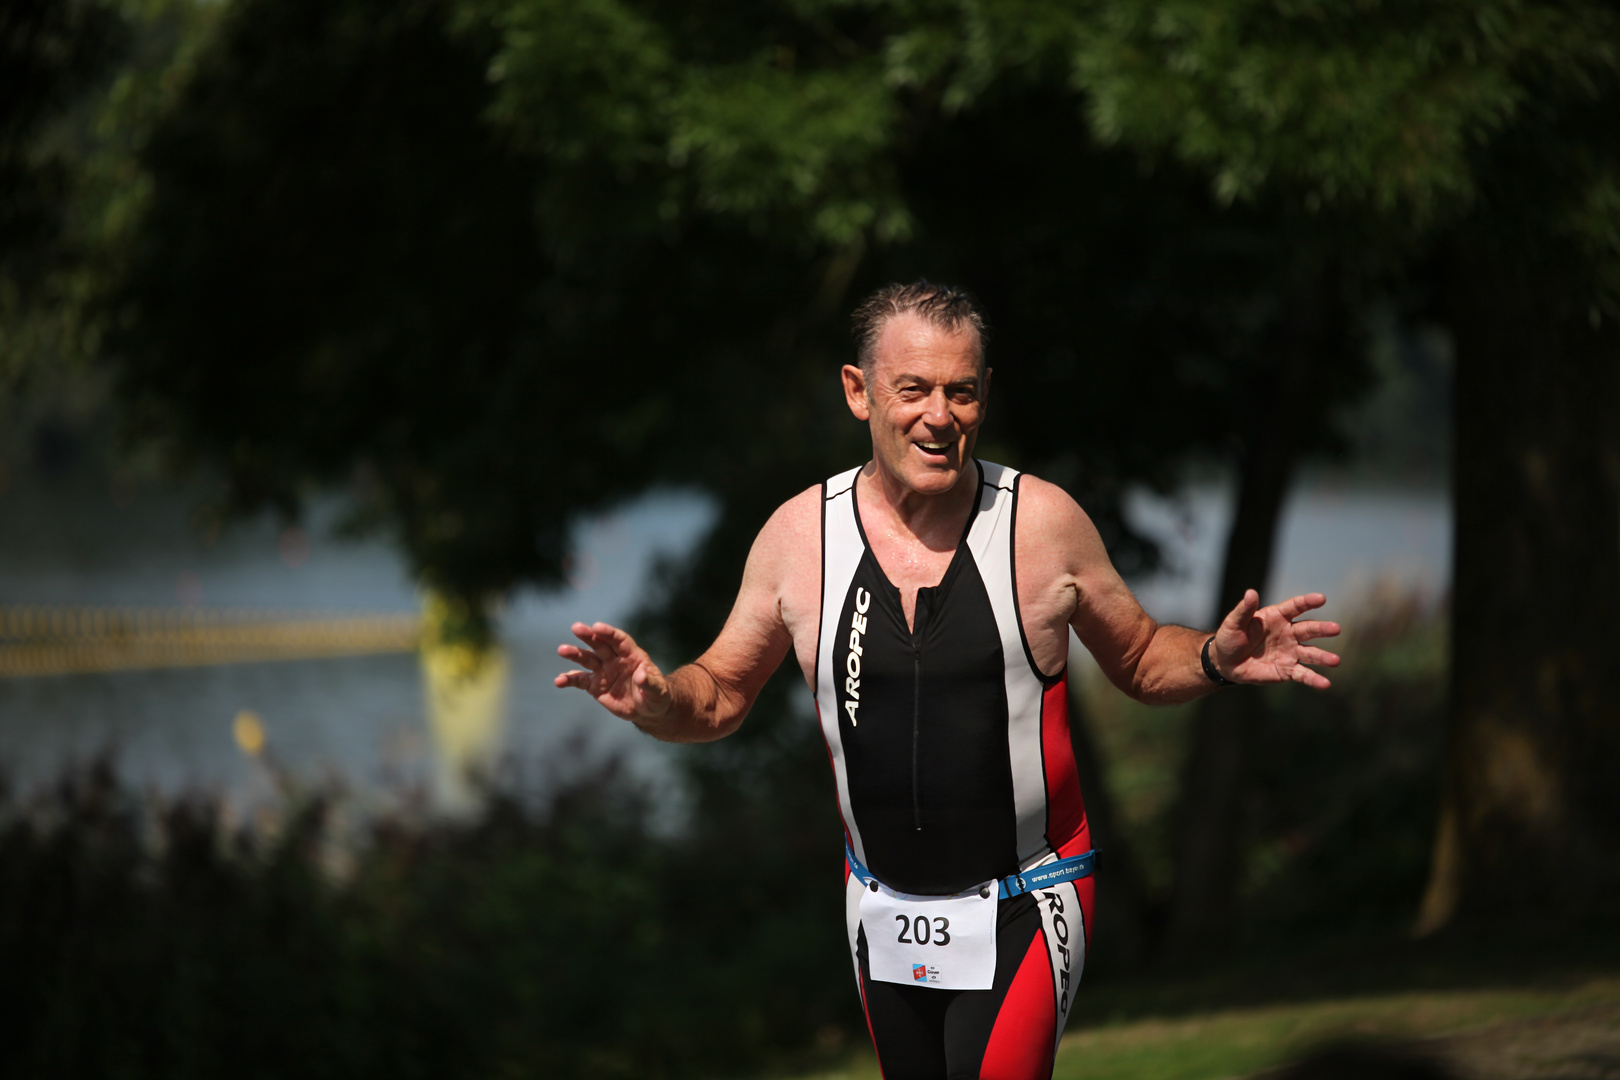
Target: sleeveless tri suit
{"type": "Point", "coordinates": [951, 754]}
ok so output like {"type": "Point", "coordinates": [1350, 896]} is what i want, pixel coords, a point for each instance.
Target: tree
{"type": "Point", "coordinates": [1482, 137]}
{"type": "Point", "coordinates": [1529, 807]}
{"type": "Point", "coordinates": [343, 275]}
{"type": "Point", "coordinates": [51, 53]}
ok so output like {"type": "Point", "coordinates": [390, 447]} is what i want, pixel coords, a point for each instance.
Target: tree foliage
{"type": "Point", "coordinates": [51, 52]}
{"type": "Point", "coordinates": [410, 242]}
{"type": "Point", "coordinates": [343, 275]}
{"type": "Point", "coordinates": [1387, 104]}
{"type": "Point", "coordinates": [1481, 140]}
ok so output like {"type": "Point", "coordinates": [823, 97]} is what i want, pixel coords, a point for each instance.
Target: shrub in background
{"type": "Point", "coordinates": [552, 938]}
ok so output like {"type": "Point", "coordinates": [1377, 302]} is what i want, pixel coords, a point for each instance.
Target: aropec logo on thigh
{"type": "Point", "coordinates": [1060, 931]}
{"type": "Point", "coordinates": [852, 662]}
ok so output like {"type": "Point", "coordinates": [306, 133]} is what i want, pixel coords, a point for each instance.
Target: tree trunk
{"type": "Point", "coordinates": [1530, 818]}
{"type": "Point", "coordinates": [1209, 815]}
{"type": "Point", "coordinates": [1209, 807]}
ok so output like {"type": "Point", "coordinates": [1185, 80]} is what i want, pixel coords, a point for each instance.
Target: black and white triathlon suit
{"type": "Point", "coordinates": [952, 758]}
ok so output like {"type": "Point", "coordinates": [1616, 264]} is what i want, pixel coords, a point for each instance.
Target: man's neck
{"type": "Point", "coordinates": [936, 520]}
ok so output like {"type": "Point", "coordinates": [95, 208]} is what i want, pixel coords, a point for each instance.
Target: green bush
{"type": "Point", "coordinates": [547, 938]}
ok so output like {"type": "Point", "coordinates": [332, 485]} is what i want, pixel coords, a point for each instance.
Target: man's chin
{"type": "Point", "coordinates": [935, 479]}
{"type": "Point", "coordinates": [927, 477]}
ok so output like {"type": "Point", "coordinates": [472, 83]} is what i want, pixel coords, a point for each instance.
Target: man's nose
{"type": "Point", "coordinates": [938, 412]}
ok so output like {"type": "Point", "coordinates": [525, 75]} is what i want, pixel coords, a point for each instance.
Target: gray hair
{"type": "Point", "coordinates": [945, 306]}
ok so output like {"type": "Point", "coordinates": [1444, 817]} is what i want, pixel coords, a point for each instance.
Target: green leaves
{"type": "Point", "coordinates": [759, 140]}
{"type": "Point", "coordinates": [747, 135]}
{"type": "Point", "coordinates": [576, 78]}
{"type": "Point", "coordinates": [457, 243]}
{"type": "Point", "coordinates": [796, 116]}
{"type": "Point", "coordinates": [1594, 222]}
{"type": "Point", "coordinates": [1379, 103]}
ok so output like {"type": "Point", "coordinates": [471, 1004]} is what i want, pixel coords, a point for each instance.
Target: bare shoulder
{"type": "Point", "coordinates": [1066, 579]}
{"type": "Point", "coordinates": [1051, 523]}
{"type": "Point", "coordinates": [803, 511]}
{"type": "Point", "coordinates": [1054, 545]}
{"type": "Point", "coordinates": [1044, 499]}
{"type": "Point", "coordinates": [790, 538]}
{"type": "Point", "coordinates": [795, 523]}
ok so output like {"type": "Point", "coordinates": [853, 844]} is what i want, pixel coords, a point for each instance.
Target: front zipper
{"type": "Point", "coordinates": [916, 709]}
{"type": "Point", "coordinates": [919, 620]}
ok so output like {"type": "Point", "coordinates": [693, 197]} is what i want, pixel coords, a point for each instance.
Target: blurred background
{"type": "Point", "coordinates": [350, 350]}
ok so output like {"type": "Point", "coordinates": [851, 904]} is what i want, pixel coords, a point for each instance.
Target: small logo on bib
{"type": "Point", "coordinates": [919, 972]}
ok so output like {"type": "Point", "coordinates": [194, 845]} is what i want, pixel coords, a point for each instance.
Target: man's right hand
{"type": "Point", "coordinates": [618, 673]}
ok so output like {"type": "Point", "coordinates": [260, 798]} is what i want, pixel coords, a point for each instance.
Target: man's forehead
{"type": "Point", "coordinates": [909, 343]}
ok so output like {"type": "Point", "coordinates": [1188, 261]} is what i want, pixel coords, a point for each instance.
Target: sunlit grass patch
{"type": "Point", "coordinates": [1239, 1042]}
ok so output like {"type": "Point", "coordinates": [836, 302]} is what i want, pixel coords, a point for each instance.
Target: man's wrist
{"type": "Point", "coordinates": [1209, 665]}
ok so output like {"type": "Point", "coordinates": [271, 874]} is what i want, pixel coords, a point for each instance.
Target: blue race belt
{"type": "Point", "coordinates": [1075, 866]}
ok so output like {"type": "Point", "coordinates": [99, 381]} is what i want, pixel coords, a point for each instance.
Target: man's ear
{"type": "Point", "coordinates": [855, 392]}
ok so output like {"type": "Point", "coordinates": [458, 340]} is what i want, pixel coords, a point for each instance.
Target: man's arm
{"type": "Point", "coordinates": [709, 698]}
{"type": "Point", "coordinates": [1153, 662]}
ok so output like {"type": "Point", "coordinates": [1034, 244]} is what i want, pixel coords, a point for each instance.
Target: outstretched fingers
{"type": "Point", "coordinates": [605, 648]}
{"type": "Point", "coordinates": [1295, 606]}
{"type": "Point", "coordinates": [597, 635]}
{"type": "Point", "coordinates": [575, 654]}
{"type": "Point", "coordinates": [1238, 618]}
{"type": "Point", "coordinates": [1319, 657]}
{"type": "Point", "coordinates": [1314, 680]}
{"type": "Point", "coordinates": [1311, 629]}
{"type": "Point", "coordinates": [605, 641]}
{"type": "Point", "coordinates": [1276, 649]}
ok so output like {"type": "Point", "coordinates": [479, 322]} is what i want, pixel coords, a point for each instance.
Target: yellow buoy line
{"type": "Point", "coordinates": [61, 640]}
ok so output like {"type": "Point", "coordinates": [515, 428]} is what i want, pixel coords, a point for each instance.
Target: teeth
{"type": "Point", "coordinates": [935, 445]}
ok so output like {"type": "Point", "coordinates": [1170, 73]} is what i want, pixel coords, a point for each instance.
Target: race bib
{"type": "Point", "coordinates": [946, 942]}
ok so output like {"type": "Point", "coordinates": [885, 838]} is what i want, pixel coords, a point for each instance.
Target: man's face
{"type": "Point", "coordinates": [924, 402]}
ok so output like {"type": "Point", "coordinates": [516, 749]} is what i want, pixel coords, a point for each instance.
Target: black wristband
{"type": "Point", "coordinates": [1209, 666]}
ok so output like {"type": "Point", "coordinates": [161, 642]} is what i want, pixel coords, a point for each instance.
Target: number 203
{"type": "Point", "coordinates": [919, 929]}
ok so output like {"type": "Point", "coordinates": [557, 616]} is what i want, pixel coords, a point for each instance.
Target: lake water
{"type": "Point", "coordinates": [1347, 542]}
{"type": "Point", "coordinates": [361, 719]}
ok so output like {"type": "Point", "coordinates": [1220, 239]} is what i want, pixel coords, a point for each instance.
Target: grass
{"type": "Point", "coordinates": [1242, 1041]}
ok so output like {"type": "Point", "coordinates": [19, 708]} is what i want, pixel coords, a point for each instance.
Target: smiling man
{"type": "Point", "coordinates": [928, 598]}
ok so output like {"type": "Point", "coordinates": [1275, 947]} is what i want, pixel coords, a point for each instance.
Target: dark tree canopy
{"type": "Point", "coordinates": [51, 53]}
{"type": "Point", "coordinates": [345, 275]}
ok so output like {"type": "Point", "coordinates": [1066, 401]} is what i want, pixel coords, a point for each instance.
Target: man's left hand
{"type": "Point", "coordinates": [1265, 645]}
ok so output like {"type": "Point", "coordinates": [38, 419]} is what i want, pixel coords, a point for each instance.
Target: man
{"type": "Point", "coordinates": [928, 599]}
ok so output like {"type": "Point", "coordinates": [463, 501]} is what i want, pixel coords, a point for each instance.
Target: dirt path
{"type": "Point", "coordinates": [1577, 1044]}
{"type": "Point", "coordinates": [1582, 1044]}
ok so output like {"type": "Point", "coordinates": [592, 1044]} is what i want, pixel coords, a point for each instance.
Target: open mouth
{"type": "Point", "coordinates": [935, 449]}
